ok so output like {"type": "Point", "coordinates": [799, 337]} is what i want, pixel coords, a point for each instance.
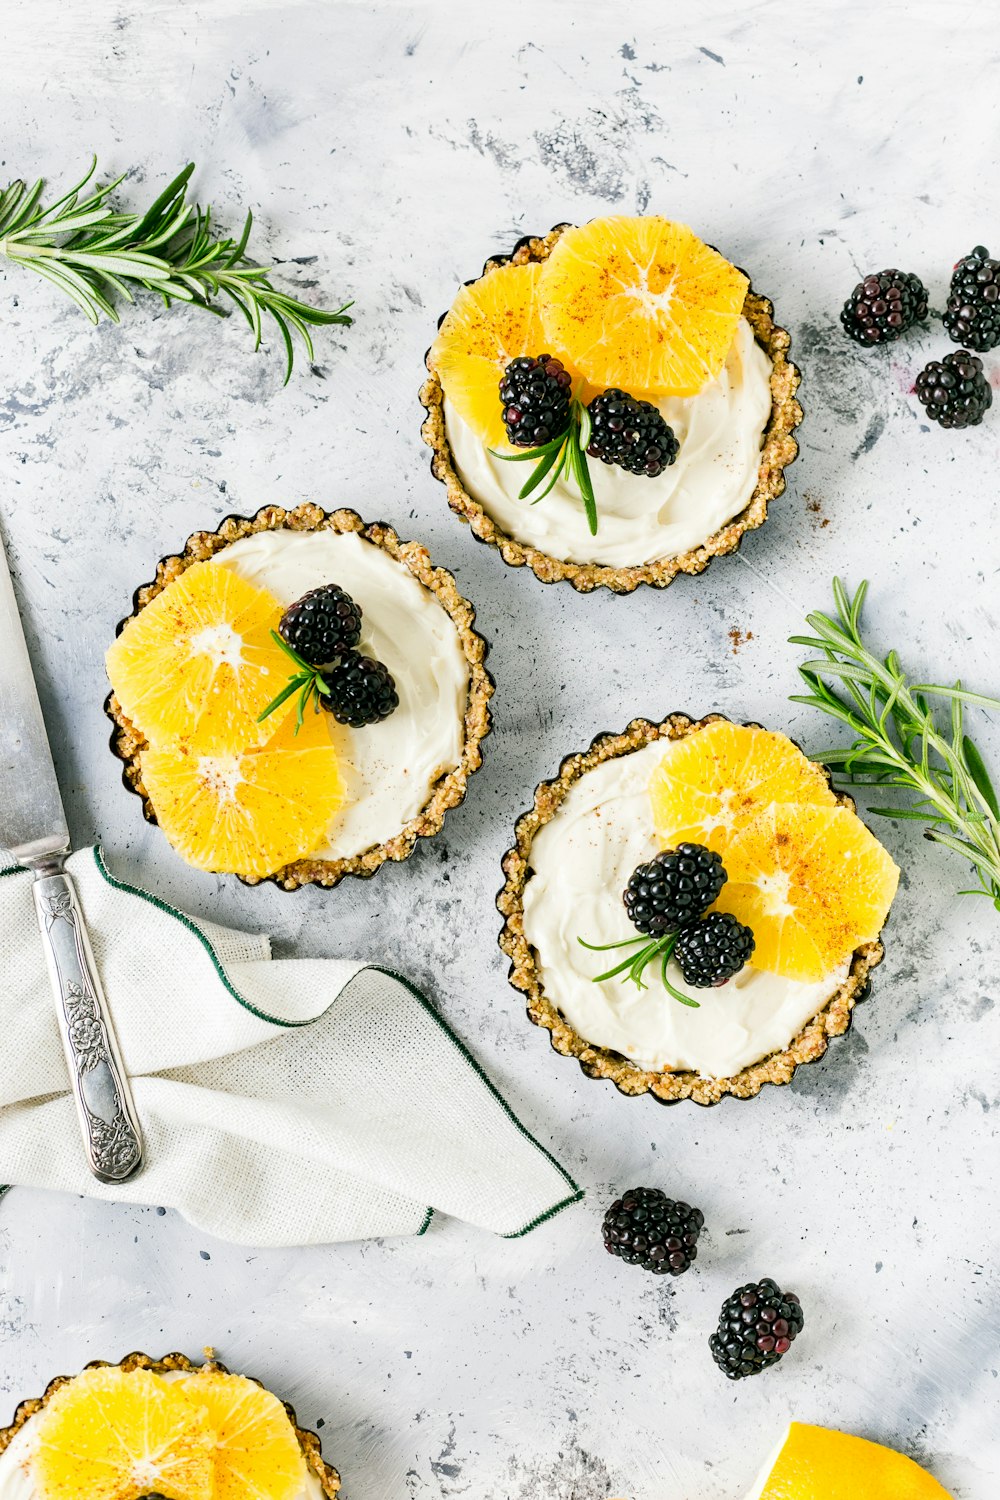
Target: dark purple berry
{"type": "Point", "coordinates": [884, 306]}
{"type": "Point", "coordinates": [739, 1349]}
{"type": "Point", "coordinates": [535, 396]}
{"type": "Point", "coordinates": [646, 1228]}
{"type": "Point", "coordinates": [953, 391]}
{"type": "Point", "coordinates": [972, 316]}
{"type": "Point", "coordinates": [712, 950]}
{"type": "Point", "coordinates": [321, 625]}
{"type": "Point", "coordinates": [630, 433]}
{"type": "Point", "coordinates": [362, 691]}
{"type": "Point", "coordinates": [676, 886]}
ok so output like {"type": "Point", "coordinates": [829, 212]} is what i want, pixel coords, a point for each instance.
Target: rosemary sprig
{"type": "Point", "coordinates": [567, 450]}
{"type": "Point", "coordinates": [899, 743]}
{"type": "Point", "coordinates": [635, 964]}
{"type": "Point", "coordinates": [93, 253]}
{"type": "Point", "coordinates": [307, 681]}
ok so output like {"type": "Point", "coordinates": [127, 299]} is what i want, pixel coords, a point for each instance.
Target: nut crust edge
{"type": "Point", "coordinates": [599, 1062]}
{"type": "Point", "coordinates": [308, 1441]}
{"type": "Point", "coordinates": [779, 449]}
{"type": "Point", "coordinates": [127, 741]}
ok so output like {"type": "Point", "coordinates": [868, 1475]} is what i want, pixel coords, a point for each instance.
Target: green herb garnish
{"type": "Point", "coordinates": [92, 252]}
{"type": "Point", "coordinates": [898, 742]}
{"type": "Point", "coordinates": [635, 964]}
{"type": "Point", "coordinates": [306, 680]}
{"type": "Point", "coordinates": [567, 450]}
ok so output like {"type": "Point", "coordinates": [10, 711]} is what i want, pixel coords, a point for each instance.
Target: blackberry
{"type": "Point", "coordinates": [673, 888]}
{"type": "Point", "coordinates": [972, 316]}
{"type": "Point", "coordinates": [712, 950]}
{"type": "Point", "coordinates": [884, 306]}
{"type": "Point", "coordinates": [757, 1325]}
{"type": "Point", "coordinates": [632, 434]}
{"type": "Point", "coordinates": [646, 1228]}
{"type": "Point", "coordinates": [535, 395]}
{"type": "Point", "coordinates": [362, 691]}
{"type": "Point", "coordinates": [954, 391]}
{"type": "Point", "coordinates": [322, 625]}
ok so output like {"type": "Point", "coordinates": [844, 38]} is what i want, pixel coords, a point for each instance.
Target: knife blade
{"type": "Point", "coordinates": [33, 828]}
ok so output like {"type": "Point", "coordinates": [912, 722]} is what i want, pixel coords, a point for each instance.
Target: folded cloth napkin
{"type": "Point", "coordinates": [282, 1101]}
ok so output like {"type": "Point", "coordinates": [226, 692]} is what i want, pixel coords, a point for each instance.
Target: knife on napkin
{"type": "Point", "coordinates": [33, 828]}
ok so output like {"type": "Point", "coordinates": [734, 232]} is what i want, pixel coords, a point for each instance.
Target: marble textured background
{"type": "Point", "coordinates": [386, 150]}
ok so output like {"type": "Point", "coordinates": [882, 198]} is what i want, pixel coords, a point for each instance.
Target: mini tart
{"type": "Point", "coordinates": [668, 1087]}
{"type": "Point", "coordinates": [325, 1474]}
{"type": "Point", "coordinates": [128, 742]}
{"type": "Point", "coordinates": [779, 448]}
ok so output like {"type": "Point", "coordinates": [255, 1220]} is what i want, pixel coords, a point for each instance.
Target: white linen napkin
{"type": "Point", "coordinates": [282, 1101]}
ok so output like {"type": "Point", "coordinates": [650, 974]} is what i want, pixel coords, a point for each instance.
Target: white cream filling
{"type": "Point", "coordinates": [16, 1462]}
{"type": "Point", "coordinates": [641, 520]}
{"type": "Point", "coordinates": [581, 862]}
{"type": "Point", "coordinates": [389, 768]}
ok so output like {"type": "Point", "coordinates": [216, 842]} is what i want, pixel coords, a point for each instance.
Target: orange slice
{"type": "Point", "coordinates": [812, 882]}
{"type": "Point", "coordinates": [198, 663]}
{"type": "Point", "coordinates": [815, 1463]}
{"type": "Point", "coordinates": [257, 1455]}
{"type": "Point", "coordinates": [712, 782]}
{"type": "Point", "coordinates": [491, 322]}
{"type": "Point", "coordinates": [641, 303]}
{"type": "Point", "coordinates": [108, 1435]}
{"type": "Point", "coordinates": [247, 812]}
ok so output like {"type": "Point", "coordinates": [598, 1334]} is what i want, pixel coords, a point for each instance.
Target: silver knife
{"type": "Point", "coordinates": [33, 828]}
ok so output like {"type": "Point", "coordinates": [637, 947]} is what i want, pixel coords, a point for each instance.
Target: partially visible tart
{"type": "Point", "coordinates": [715, 366]}
{"type": "Point", "coordinates": [776, 821]}
{"type": "Point", "coordinates": [235, 781]}
{"type": "Point", "coordinates": [160, 1426]}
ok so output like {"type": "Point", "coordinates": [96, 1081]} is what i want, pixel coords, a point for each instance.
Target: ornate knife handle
{"type": "Point", "coordinates": [100, 1086]}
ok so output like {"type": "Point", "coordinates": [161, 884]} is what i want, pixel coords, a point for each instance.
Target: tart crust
{"type": "Point", "coordinates": [601, 1062]}
{"type": "Point", "coordinates": [128, 742]}
{"type": "Point", "coordinates": [779, 450]}
{"type": "Point", "coordinates": [310, 1444]}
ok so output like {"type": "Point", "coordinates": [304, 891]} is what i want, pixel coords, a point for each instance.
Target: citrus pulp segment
{"type": "Point", "coordinates": [247, 812]}
{"type": "Point", "coordinates": [711, 783]}
{"type": "Point", "coordinates": [812, 883]}
{"type": "Point", "coordinates": [490, 322]}
{"type": "Point", "coordinates": [257, 1455]}
{"type": "Point", "coordinates": [198, 662]}
{"type": "Point", "coordinates": [642, 304]}
{"type": "Point", "coordinates": [112, 1435]}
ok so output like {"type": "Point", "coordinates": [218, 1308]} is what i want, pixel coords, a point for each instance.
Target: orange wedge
{"type": "Point", "coordinates": [247, 812]}
{"type": "Point", "coordinates": [815, 1463]}
{"type": "Point", "coordinates": [198, 663]}
{"type": "Point", "coordinates": [108, 1435]}
{"type": "Point", "coordinates": [812, 882]}
{"type": "Point", "coordinates": [257, 1455]}
{"type": "Point", "coordinates": [710, 784]}
{"type": "Point", "coordinates": [641, 303]}
{"type": "Point", "coordinates": [491, 322]}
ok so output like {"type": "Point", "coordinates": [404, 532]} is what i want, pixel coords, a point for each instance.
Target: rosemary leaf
{"type": "Point", "coordinates": [980, 775]}
{"type": "Point", "coordinates": [565, 452]}
{"type": "Point", "coordinates": [556, 459]}
{"type": "Point", "coordinates": [91, 252]}
{"type": "Point", "coordinates": [530, 455]}
{"type": "Point", "coordinates": [583, 479]}
{"type": "Point", "coordinates": [634, 966]}
{"type": "Point", "coordinates": [898, 740]}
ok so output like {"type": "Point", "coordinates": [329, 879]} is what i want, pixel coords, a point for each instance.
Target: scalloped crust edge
{"type": "Point", "coordinates": [600, 1062]}
{"type": "Point", "coordinates": [779, 450]}
{"type": "Point", "coordinates": [128, 742]}
{"type": "Point", "coordinates": [308, 1441]}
